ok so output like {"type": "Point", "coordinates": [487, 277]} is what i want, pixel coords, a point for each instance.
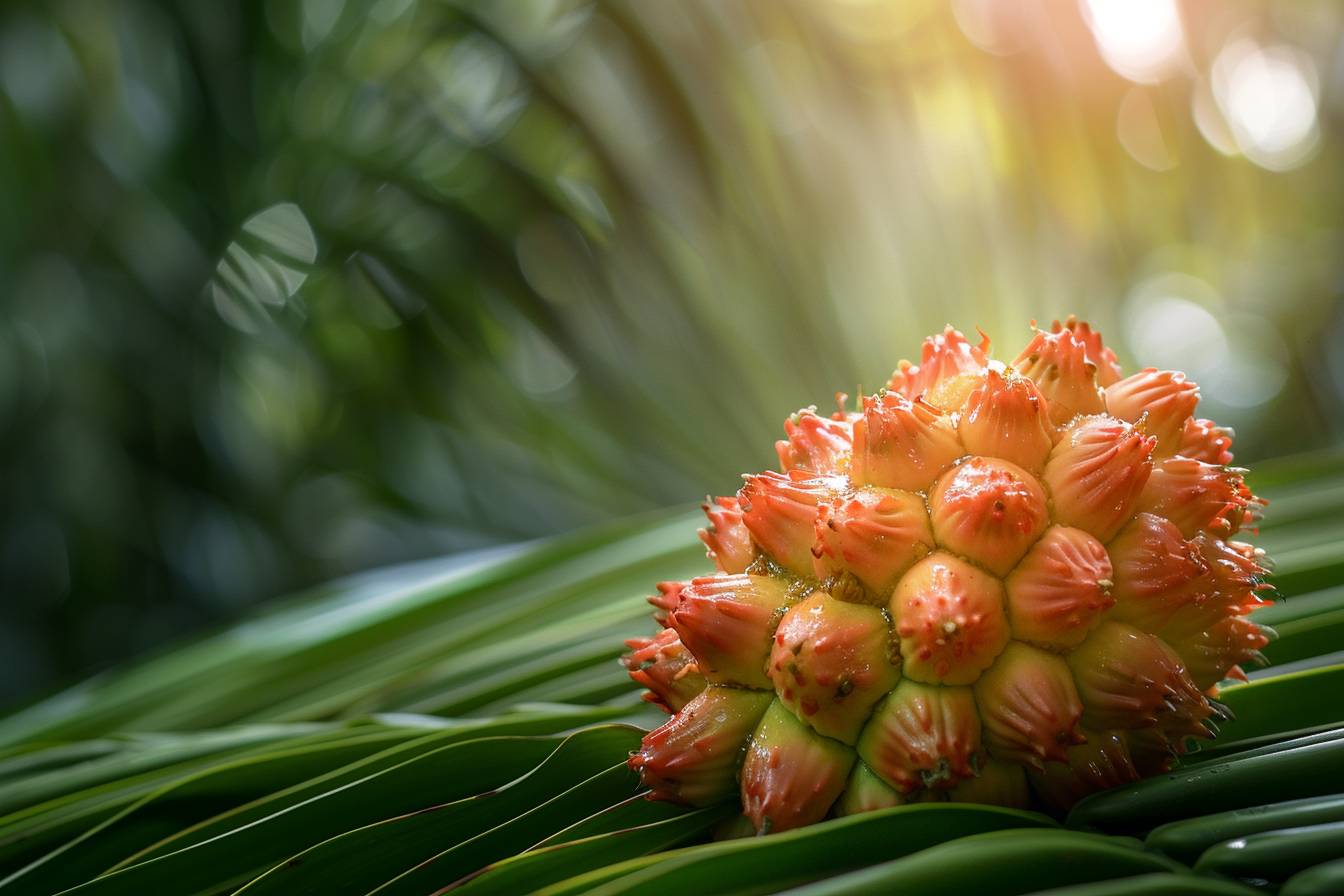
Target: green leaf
{"type": "Point", "coordinates": [1301, 607]}
{"type": "Point", "coordinates": [602, 791]}
{"type": "Point", "coordinates": [1274, 856]}
{"type": "Point", "coordinates": [1162, 883]}
{"type": "Point", "coordinates": [542, 720]}
{"type": "Point", "coordinates": [547, 864]}
{"type": "Point", "coordinates": [1316, 635]}
{"type": "Point", "coordinates": [799, 855]}
{"type": "Point", "coordinates": [153, 757]}
{"type": "Point", "coordinates": [997, 862]}
{"type": "Point", "coordinates": [1186, 840]}
{"type": "Point", "coordinates": [371, 643]}
{"type": "Point", "coordinates": [183, 802]}
{"type": "Point", "coordinates": [1325, 879]}
{"type": "Point", "coordinates": [593, 760]}
{"type": "Point", "coordinates": [438, 776]}
{"type": "Point", "coordinates": [1284, 703]}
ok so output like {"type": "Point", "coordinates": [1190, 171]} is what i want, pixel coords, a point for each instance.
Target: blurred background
{"type": "Point", "coordinates": [292, 289]}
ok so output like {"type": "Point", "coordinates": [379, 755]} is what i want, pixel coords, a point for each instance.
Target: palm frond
{"type": "Point", "coordinates": [463, 723]}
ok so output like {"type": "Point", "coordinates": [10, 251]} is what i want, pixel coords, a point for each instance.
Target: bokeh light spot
{"type": "Point", "coordinates": [1176, 333]}
{"type": "Point", "coordinates": [1238, 358]}
{"type": "Point", "coordinates": [1268, 96]}
{"type": "Point", "coordinates": [1140, 39]}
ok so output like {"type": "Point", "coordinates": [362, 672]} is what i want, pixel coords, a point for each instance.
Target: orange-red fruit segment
{"type": "Point", "coordinates": [943, 357]}
{"type": "Point", "coordinates": [726, 621]}
{"type": "Point", "coordinates": [950, 395]}
{"type": "Point", "coordinates": [1207, 441]}
{"type": "Point", "coordinates": [949, 617]}
{"type": "Point", "coordinates": [693, 757]}
{"type": "Point", "coordinates": [1218, 651]}
{"type": "Point", "coordinates": [989, 510]}
{"type": "Point", "coordinates": [1060, 589]}
{"type": "Point", "coordinates": [666, 600]}
{"type": "Point", "coordinates": [1029, 706]}
{"type": "Point", "coordinates": [780, 511]}
{"type": "Point", "coordinates": [903, 444]}
{"type": "Point", "coordinates": [1163, 399]}
{"type": "Point", "coordinates": [1199, 497]}
{"type": "Point", "coordinates": [726, 537]}
{"type": "Point", "coordinates": [815, 443]}
{"type": "Point", "coordinates": [1101, 357]}
{"type": "Point", "coordinates": [1128, 678]}
{"type": "Point", "coordinates": [664, 666]}
{"type": "Point", "coordinates": [1057, 362]}
{"type": "Point", "coordinates": [922, 736]}
{"type": "Point", "coordinates": [1005, 416]}
{"type": "Point", "coordinates": [1157, 573]}
{"type": "Point", "coordinates": [831, 661]}
{"type": "Point", "coordinates": [1233, 566]}
{"type": "Point", "coordinates": [1096, 474]}
{"type": "Point", "coordinates": [791, 775]}
{"type": "Point", "coordinates": [875, 533]}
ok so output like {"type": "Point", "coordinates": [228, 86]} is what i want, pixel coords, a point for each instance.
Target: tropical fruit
{"type": "Point", "coordinates": [998, 583]}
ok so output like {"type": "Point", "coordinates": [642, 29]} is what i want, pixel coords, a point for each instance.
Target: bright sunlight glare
{"type": "Point", "coordinates": [1141, 39]}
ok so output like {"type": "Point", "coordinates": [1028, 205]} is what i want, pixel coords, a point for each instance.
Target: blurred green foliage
{"type": "Point", "coordinates": [292, 289]}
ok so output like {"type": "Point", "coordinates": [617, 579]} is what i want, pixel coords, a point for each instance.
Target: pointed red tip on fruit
{"type": "Point", "coordinates": [905, 380]}
{"type": "Point", "coordinates": [1058, 364]}
{"type": "Point", "coordinates": [1157, 573]}
{"type": "Point", "coordinates": [902, 444]}
{"type": "Point", "coordinates": [1128, 678]}
{"type": "Point", "coordinates": [693, 757]}
{"type": "Point", "coordinates": [1207, 441]}
{"type": "Point", "coordinates": [1007, 417]}
{"type": "Point", "coordinates": [1096, 474]}
{"type": "Point", "coordinates": [791, 775]}
{"type": "Point", "coordinates": [1164, 399]}
{"type": "Point", "coordinates": [664, 666]}
{"type": "Point", "coordinates": [1212, 653]}
{"type": "Point", "coordinates": [814, 443]}
{"type": "Point", "coordinates": [726, 622]}
{"type": "Point", "coordinates": [666, 600]}
{"type": "Point", "coordinates": [877, 534]}
{"type": "Point", "coordinates": [1198, 496]}
{"type": "Point", "coordinates": [942, 357]}
{"type": "Point", "coordinates": [780, 511]}
{"type": "Point", "coordinates": [1108, 366]}
{"type": "Point", "coordinates": [1234, 566]}
{"type": "Point", "coordinates": [726, 539]}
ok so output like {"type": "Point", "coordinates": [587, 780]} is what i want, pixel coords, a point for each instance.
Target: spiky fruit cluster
{"type": "Point", "coordinates": [989, 582]}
